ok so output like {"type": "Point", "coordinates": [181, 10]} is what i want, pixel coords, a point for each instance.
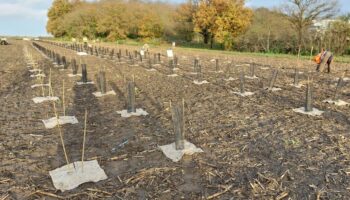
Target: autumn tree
{"type": "Point", "coordinates": [56, 14]}
{"type": "Point", "coordinates": [113, 21]}
{"type": "Point", "coordinates": [143, 22]}
{"type": "Point", "coordinates": [108, 19]}
{"type": "Point", "coordinates": [164, 13]}
{"type": "Point", "coordinates": [302, 13]}
{"type": "Point", "coordinates": [81, 22]}
{"type": "Point", "coordinates": [183, 17]}
{"type": "Point", "coordinates": [222, 20]}
{"type": "Point", "coordinates": [149, 26]}
{"type": "Point", "coordinates": [204, 19]}
{"type": "Point", "coordinates": [233, 21]}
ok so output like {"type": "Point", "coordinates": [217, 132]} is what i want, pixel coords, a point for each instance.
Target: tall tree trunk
{"type": "Point", "coordinates": [268, 40]}
{"type": "Point", "coordinates": [206, 36]}
{"type": "Point", "coordinates": [300, 35]}
{"type": "Point", "coordinates": [211, 41]}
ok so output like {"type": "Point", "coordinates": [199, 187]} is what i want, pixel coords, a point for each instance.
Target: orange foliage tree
{"type": "Point", "coordinates": [221, 20]}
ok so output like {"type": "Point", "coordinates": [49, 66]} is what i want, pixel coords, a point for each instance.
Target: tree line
{"type": "Point", "coordinates": [222, 24]}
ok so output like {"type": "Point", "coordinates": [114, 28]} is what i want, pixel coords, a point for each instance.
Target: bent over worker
{"type": "Point", "coordinates": [322, 59]}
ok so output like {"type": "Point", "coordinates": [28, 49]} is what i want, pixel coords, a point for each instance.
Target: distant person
{"type": "Point", "coordinates": [322, 59]}
{"type": "Point", "coordinates": [145, 47]}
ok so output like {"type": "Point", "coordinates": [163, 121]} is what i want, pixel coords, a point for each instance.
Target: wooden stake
{"type": "Point", "coordinates": [84, 78]}
{"type": "Point", "coordinates": [338, 87]}
{"type": "Point", "coordinates": [298, 60]}
{"type": "Point", "coordinates": [183, 117]}
{"type": "Point", "coordinates": [296, 77]}
{"type": "Point", "coordinates": [131, 97]}
{"type": "Point", "coordinates": [60, 132]}
{"type": "Point", "coordinates": [84, 138]}
{"type": "Point", "coordinates": [42, 86]}
{"type": "Point", "coordinates": [177, 116]}
{"type": "Point", "coordinates": [50, 94]}
{"type": "Point", "coordinates": [217, 65]}
{"type": "Point", "coordinates": [199, 73]}
{"type": "Point", "coordinates": [63, 100]}
{"type": "Point", "coordinates": [252, 70]}
{"type": "Point", "coordinates": [273, 79]}
{"type": "Point", "coordinates": [308, 102]}
{"type": "Point", "coordinates": [102, 82]}
{"type": "Point", "coordinates": [242, 80]}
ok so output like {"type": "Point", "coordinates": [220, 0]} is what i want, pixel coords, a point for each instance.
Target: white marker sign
{"type": "Point", "coordinates": [170, 53]}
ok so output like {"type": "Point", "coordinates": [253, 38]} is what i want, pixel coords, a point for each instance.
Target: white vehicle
{"type": "Point", "coordinates": [3, 41]}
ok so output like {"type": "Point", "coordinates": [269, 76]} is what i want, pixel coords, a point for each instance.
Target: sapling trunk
{"type": "Point", "coordinates": [74, 67]}
{"type": "Point", "coordinates": [63, 99]}
{"type": "Point", "coordinates": [199, 73]}
{"type": "Point", "coordinates": [252, 70]}
{"type": "Point", "coordinates": [84, 139]}
{"type": "Point", "coordinates": [42, 86]}
{"type": "Point", "coordinates": [228, 69]}
{"type": "Point", "coordinates": [195, 65]}
{"type": "Point", "coordinates": [338, 88]}
{"type": "Point", "coordinates": [131, 98]}
{"type": "Point", "coordinates": [178, 123]}
{"type": "Point", "coordinates": [50, 94]}
{"type": "Point", "coordinates": [175, 61]}
{"type": "Point", "coordinates": [309, 97]}
{"type": "Point", "coordinates": [58, 60]}
{"type": "Point", "coordinates": [119, 56]}
{"type": "Point", "coordinates": [171, 64]}
{"type": "Point", "coordinates": [64, 62]}
{"type": "Point", "coordinates": [60, 130]}
{"type": "Point", "coordinates": [102, 82]}
{"type": "Point", "coordinates": [217, 68]}
{"type": "Point", "coordinates": [149, 63]}
{"type": "Point", "coordinates": [273, 79]}
{"type": "Point", "coordinates": [242, 80]}
{"type": "Point", "coordinates": [84, 73]}
{"type": "Point", "coordinates": [111, 55]}
{"type": "Point", "coordinates": [296, 77]}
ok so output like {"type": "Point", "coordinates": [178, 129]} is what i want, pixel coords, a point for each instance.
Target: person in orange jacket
{"type": "Point", "coordinates": [324, 58]}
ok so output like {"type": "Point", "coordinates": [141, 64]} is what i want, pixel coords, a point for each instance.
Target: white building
{"type": "Point", "coordinates": [322, 25]}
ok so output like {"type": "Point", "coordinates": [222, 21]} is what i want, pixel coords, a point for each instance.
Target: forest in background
{"type": "Point", "coordinates": [217, 24]}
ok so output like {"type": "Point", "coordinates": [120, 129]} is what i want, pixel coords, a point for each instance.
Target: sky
{"type": "Point", "coordinates": [28, 17]}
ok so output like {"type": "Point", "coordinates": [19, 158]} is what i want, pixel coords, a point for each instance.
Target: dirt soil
{"type": "Point", "coordinates": [255, 147]}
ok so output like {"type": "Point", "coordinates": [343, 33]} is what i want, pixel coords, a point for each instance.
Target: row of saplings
{"type": "Point", "coordinates": [73, 174]}
{"type": "Point", "coordinates": [197, 69]}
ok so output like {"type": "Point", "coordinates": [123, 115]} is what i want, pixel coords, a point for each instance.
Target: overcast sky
{"type": "Point", "coordinates": [28, 17]}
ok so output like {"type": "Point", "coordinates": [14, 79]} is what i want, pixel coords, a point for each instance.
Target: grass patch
{"type": "Point", "coordinates": [339, 59]}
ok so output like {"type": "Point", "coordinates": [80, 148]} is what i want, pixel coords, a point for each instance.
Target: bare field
{"type": "Point", "coordinates": [254, 147]}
